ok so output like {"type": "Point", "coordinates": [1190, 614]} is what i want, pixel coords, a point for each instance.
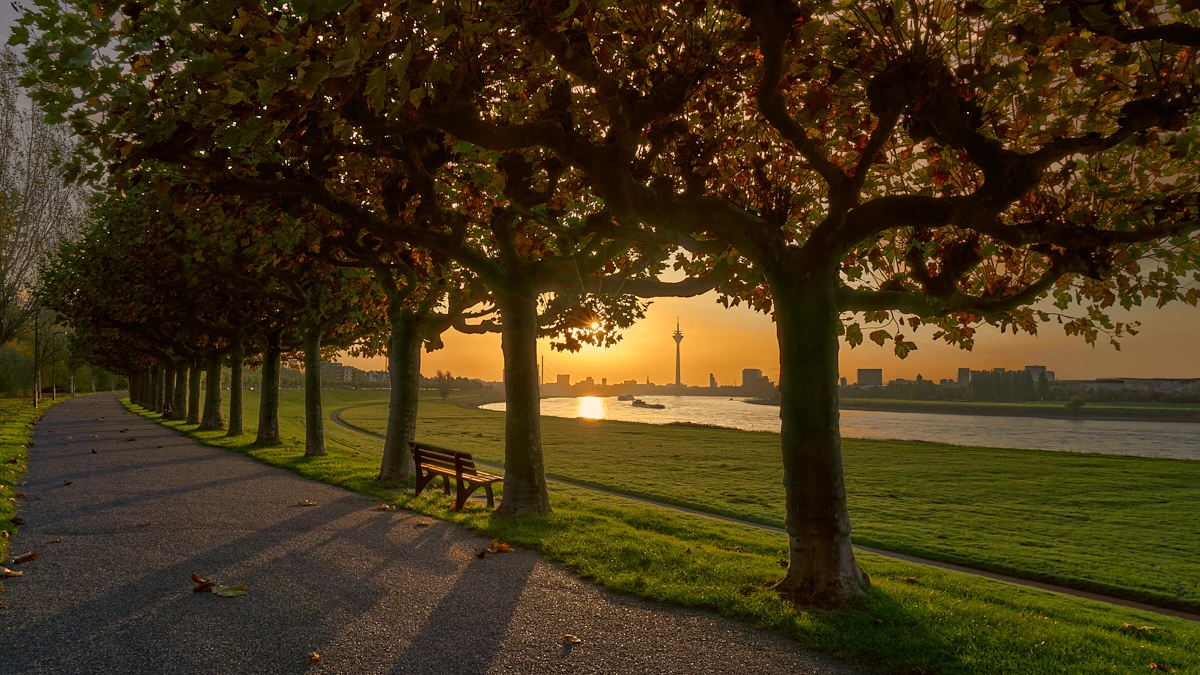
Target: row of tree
{"type": "Point", "coordinates": [295, 177]}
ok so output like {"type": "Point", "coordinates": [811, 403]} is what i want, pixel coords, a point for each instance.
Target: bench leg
{"type": "Point", "coordinates": [446, 484]}
{"type": "Point", "coordinates": [461, 494]}
{"type": "Point", "coordinates": [422, 480]}
{"type": "Point", "coordinates": [488, 488]}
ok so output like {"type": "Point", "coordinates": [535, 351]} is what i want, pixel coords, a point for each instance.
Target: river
{"type": "Point", "coordinates": [1142, 439]}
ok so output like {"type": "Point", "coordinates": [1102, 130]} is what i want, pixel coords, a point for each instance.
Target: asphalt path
{"type": "Point", "coordinates": [119, 530]}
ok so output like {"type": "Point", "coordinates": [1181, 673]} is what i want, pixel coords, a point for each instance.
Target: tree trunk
{"type": "Point", "coordinates": [168, 389]}
{"type": "Point", "coordinates": [314, 416]}
{"type": "Point", "coordinates": [524, 471]}
{"type": "Point", "coordinates": [152, 389]}
{"type": "Point", "coordinates": [92, 374]}
{"type": "Point", "coordinates": [179, 398]}
{"type": "Point", "coordinates": [822, 568]}
{"type": "Point", "coordinates": [193, 414]}
{"type": "Point", "coordinates": [212, 394]}
{"type": "Point", "coordinates": [71, 383]}
{"type": "Point", "coordinates": [404, 365]}
{"type": "Point", "coordinates": [237, 358]}
{"type": "Point", "coordinates": [268, 406]}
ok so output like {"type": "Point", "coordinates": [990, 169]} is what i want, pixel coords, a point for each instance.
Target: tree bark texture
{"type": "Point", "coordinates": [822, 569]}
{"type": "Point", "coordinates": [237, 357]}
{"type": "Point", "coordinates": [168, 388]}
{"type": "Point", "coordinates": [268, 405]}
{"type": "Point", "coordinates": [314, 416]}
{"type": "Point", "coordinates": [156, 388]}
{"type": "Point", "coordinates": [193, 413]}
{"type": "Point", "coordinates": [524, 470]}
{"type": "Point", "coordinates": [211, 419]}
{"type": "Point", "coordinates": [404, 364]}
{"type": "Point", "coordinates": [179, 397]}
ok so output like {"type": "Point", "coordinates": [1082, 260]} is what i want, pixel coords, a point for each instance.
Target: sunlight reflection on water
{"type": "Point", "coordinates": [1145, 439]}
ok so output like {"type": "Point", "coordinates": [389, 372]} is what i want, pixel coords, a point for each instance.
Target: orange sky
{"type": "Point", "coordinates": [723, 342]}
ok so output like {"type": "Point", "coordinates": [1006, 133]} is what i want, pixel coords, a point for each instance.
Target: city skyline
{"type": "Point", "coordinates": [725, 341]}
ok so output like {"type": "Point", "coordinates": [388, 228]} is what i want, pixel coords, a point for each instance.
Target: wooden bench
{"type": "Point", "coordinates": [432, 462]}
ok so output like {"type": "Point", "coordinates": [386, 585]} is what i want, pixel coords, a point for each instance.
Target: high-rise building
{"type": "Point", "coordinates": [964, 376]}
{"type": "Point", "coordinates": [751, 377]}
{"type": "Point", "coordinates": [678, 335]}
{"type": "Point", "coordinates": [563, 381]}
{"type": "Point", "coordinates": [1036, 372]}
{"type": "Point", "coordinates": [870, 377]}
{"type": "Point", "coordinates": [712, 381]}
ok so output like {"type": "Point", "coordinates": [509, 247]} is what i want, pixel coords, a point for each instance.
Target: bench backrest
{"type": "Point", "coordinates": [459, 462]}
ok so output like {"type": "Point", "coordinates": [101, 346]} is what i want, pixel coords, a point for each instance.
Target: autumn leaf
{"type": "Point", "coordinates": [67, 482]}
{"type": "Point", "coordinates": [56, 540]}
{"type": "Point", "coordinates": [569, 639]}
{"type": "Point", "coordinates": [314, 657]}
{"type": "Point", "coordinates": [10, 573]}
{"type": "Point", "coordinates": [496, 547]}
{"type": "Point", "coordinates": [306, 502]}
{"type": "Point", "coordinates": [27, 557]}
{"type": "Point", "coordinates": [385, 507]}
{"type": "Point", "coordinates": [145, 523]}
{"type": "Point", "coordinates": [201, 584]}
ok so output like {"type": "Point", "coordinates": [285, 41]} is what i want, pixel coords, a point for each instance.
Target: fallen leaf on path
{"type": "Point", "coordinates": [1, 604]}
{"type": "Point", "coordinates": [70, 438]}
{"type": "Point", "coordinates": [95, 452]}
{"type": "Point", "coordinates": [99, 419]}
{"type": "Point", "coordinates": [4, 533]}
{"type": "Point", "coordinates": [202, 584]}
{"type": "Point", "coordinates": [160, 446]}
{"type": "Point", "coordinates": [422, 523]}
{"type": "Point", "coordinates": [10, 573]}
{"type": "Point", "coordinates": [145, 523]}
{"type": "Point", "coordinates": [17, 520]}
{"type": "Point", "coordinates": [123, 430]}
{"type": "Point", "coordinates": [229, 591]}
{"type": "Point", "coordinates": [67, 482]}
{"type": "Point", "coordinates": [306, 502]}
{"type": "Point", "coordinates": [56, 540]}
{"type": "Point", "coordinates": [27, 557]}
{"type": "Point", "coordinates": [569, 639]}
{"type": "Point", "coordinates": [131, 438]}
{"type": "Point", "coordinates": [20, 495]}
{"type": "Point", "coordinates": [385, 507]}
{"type": "Point", "coordinates": [496, 547]}
{"type": "Point", "coordinates": [314, 657]}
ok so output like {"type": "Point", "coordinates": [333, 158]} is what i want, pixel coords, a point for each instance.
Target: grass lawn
{"type": "Point", "coordinates": [915, 619]}
{"type": "Point", "coordinates": [1124, 526]}
{"type": "Point", "coordinates": [1116, 410]}
{"type": "Point", "coordinates": [17, 416]}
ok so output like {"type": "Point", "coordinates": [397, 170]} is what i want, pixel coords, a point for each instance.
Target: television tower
{"type": "Point", "coordinates": [678, 335]}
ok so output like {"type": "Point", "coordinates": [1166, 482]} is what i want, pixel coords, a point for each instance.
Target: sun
{"type": "Point", "coordinates": [595, 325]}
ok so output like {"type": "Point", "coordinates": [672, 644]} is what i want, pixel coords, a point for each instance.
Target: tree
{"type": "Point", "coordinates": [445, 383]}
{"type": "Point", "coordinates": [36, 207]}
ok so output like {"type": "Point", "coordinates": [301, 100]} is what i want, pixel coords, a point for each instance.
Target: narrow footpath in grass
{"type": "Point", "coordinates": [916, 618]}
{"type": "Point", "coordinates": [332, 583]}
{"type": "Point", "coordinates": [335, 416]}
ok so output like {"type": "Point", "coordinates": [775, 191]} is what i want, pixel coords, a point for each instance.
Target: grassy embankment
{"type": "Point", "coordinates": [940, 621]}
{"type": "Point", "coordinates": [17, 416]}
{"type": "Point", "coordinates": [1164, 412]}
{"type": "Point", "coordinates": [1118, 525]}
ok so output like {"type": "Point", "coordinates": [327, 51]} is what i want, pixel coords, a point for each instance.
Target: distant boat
{"type": "Point", "coordinates": [639, 403]}
{"type": "Point", "coordinates": [625, 397]}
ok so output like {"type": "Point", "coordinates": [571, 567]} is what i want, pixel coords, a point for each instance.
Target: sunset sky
{"type": "Point", "coordinates": [723, 342]}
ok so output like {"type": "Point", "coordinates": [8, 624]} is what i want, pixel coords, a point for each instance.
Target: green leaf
{"type": "Point", "coordinates": [880, 336]}
{"type": "Point", "coordinates": [20, 35]}
{"type": "Point", "coordinates": [229, 591]}
{"type": "Point", "coordinates": [377, 88]}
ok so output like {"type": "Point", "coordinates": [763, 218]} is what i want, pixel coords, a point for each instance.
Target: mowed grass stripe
{"type": "Point", "coordinates": [1120, 526]}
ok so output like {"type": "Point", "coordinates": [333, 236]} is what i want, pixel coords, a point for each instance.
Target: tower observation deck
{"type": "Point", "coordinates": [678, 335]}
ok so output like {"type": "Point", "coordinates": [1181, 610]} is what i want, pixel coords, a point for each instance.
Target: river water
{"type": "Point", "coordinates": [1143, 439]}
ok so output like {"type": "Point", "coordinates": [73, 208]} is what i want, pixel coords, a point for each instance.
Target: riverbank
{"type": "Point", "coordinates": [1115, 412]}
{"type": "Point", "coordinates": [1078, 520]}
